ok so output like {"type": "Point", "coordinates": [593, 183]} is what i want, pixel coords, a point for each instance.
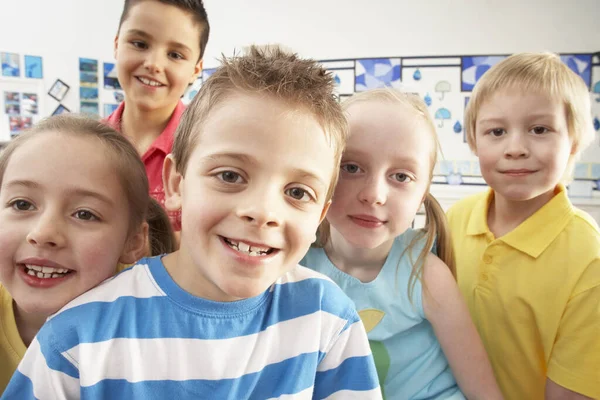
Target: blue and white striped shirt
{"type": "Point", "coordinates": [140, 336]}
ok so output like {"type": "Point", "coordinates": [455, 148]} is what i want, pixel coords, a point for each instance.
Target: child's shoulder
{"type": "Point", "coordinates": [135, 281]}
{"type": "Point", "coordinates": [308, 285]}
{"type": "Point", "coordinates": [466, 206]}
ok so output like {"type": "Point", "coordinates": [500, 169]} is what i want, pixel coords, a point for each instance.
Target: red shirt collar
{"type": "Point", "coordinates": [164, 142]}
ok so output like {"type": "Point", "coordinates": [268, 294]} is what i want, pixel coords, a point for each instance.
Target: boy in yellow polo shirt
{"type": "Point", "coordinates": [528, 261]}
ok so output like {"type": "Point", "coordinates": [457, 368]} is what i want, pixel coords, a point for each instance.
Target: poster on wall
{"type": "Point", "coordinates": [11, 65]}
{"type": "Point", "coordinates": [90, 108]}
{"type": "Point", "coordinates": [18, 124]}
{"type": "Point", "coordinates": [60, 110]}
{"type": "Point", "coordinates": [111, 81]}
{"type": "Point", "coordinates": [12, 103]}
{"type": "Point", "coordinates": [109, 108]}
{"type": "Point", "coordinates": [33, 67]}
{"type": "Point", "coordinates": [29, 103]}
{"type": "Point", "coordinates": [88, 90]}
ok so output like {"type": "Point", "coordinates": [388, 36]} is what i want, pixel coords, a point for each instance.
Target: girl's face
{"type": "Point", "coordinates": [385, 173]}
{"type": "Point", "coordinates": [64, 219]}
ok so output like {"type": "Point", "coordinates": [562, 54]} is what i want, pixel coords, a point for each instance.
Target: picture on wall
{"type": "Point", "coordinates": [111, 82]}
{"type": "Point", "coordinates": [18, 123]}
{"type": "Point", "coordinates": [60, 110]}
{"type": "Point", "coordinates": [34, 67]}
{"type": "Point", "coordinates": [12, 103]}
{"type": "Point", "coordinates": [89, 108]}
{"type": "Point", "coordinates": [11, 65]}
{"type": "Point", "coordinates": [29, 103]}
{"type": "Point", "coordinates": [88, 78]}
{"type": "Point", "coordinates": [88, 94]}
{"type": "Point", "coordinates": [109, 108]}
{"type": "Point", "coordinates": [58, 90]}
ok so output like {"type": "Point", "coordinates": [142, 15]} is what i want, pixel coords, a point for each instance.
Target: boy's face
{"type": "Point", "coordinates": [157, 52]}
{"type": "Point", "coordinates": [252, 197]}
{"type": "Point", "coordinates": [60, 237]}
{"type": "Point", "coordinates": [523, 143]}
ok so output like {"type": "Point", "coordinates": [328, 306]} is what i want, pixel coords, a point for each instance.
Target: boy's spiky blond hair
{"type": "Point", "coordinates": [541, 73]}
{"type": "Point", "coordinates": [301, 83]}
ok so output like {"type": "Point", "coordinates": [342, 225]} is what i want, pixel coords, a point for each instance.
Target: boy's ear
{"type": "Point", "coordinates": [197, 70]}
{"type": "Point", "coordinates": [324, 212]}
{"type": "Point", "coordinates": [136, 247]}
{"type": "Point", "coordinates": [172, 183]}
{"type": "Point", "coordinates": [116, 46]}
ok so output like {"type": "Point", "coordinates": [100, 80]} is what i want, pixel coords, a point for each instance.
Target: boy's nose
{"type": "Point", "coordinates": [153, 63]}
{"type": "Point", "coordinates": [516, 146]}
{"type": "Point", "coordinates": [261, 209]}
{"type": "Point", "coordinates": [47, 232]}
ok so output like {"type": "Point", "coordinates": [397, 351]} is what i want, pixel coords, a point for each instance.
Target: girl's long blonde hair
{"type": "Point", "coordinates": [436, 226]}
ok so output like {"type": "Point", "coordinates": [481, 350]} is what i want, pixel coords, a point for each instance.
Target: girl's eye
{"type": "Point", "coordinates": [230, 177]}
{"type": "Point", "coordinates": [497, 132]}
{"type": "Point", "coordinates": [22, 205]}
{"type": "Point", "coordinates": [299, 194]}
{"type": "Point", "coordinates": [351, 168]}
{"type": "Point", "coordinates": [538, 130]}
{"type": "Point", "coordinates": [176, 56]}
{"type": "Point", "coordinates": [403, 178]}
{"type": "Point", "coordinates": [85, 215]}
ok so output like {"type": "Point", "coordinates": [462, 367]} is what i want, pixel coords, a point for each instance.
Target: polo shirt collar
{"type": "Point", "coordinates": [534, 234]}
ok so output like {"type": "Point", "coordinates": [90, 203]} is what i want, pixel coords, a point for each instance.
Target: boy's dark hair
{"type": "Point", "coordinates": [161, 239]}
{"type": "Point", "coordinates": [194, 7]}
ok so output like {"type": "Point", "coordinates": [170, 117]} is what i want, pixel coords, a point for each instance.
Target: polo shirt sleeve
{"type": "Point", "coordinates": [575, 359]}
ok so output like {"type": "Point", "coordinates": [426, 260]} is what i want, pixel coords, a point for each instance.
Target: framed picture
{"type": "Point", "coordinates": [11, 64]}
{"type": "Point", "coordinates": [33, 67]}
{"type": "Point", "coordinates": [60, 110]}
{"type": "Point", "coordinates": [58, 90]}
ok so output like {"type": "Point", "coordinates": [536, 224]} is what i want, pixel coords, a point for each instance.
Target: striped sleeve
{"type": "Point", "coordinates": [348, 371]}
{"type": "Point", "coordinates": [44, 373]}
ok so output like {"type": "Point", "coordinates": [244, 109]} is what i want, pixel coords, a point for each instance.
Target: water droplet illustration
{"type": "Point", "coordinates": [457, 127]}
{"type": "Point", "coordinates": [417, 75]}
{"type": "Point", "coordinates": [337, 79]}
{"type": "Point", "coordinates": [596, 124]}
{"type": "Point", "coordinates": [427, 99]}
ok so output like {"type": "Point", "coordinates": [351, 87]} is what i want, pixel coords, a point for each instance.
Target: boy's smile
{"type": "Point", "coordinates": [253, 195]}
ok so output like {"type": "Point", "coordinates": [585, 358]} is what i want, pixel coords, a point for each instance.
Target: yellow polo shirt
{"type": "Point", "coordinates": [534, 294]}
{"type": "Point", "coordinates": [12, 348]}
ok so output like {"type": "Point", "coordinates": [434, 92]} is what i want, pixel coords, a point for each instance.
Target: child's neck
{"type": "Point", "coordinates": [142, 127]}
{"type": "Point", "coordinates": [504, 215]}
{"type": "Point", "coordinates": [363, 264]}
{"type": "Point", "coordinates": [28, 324]}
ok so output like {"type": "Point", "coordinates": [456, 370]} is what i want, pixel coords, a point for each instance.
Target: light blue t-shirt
{"type": "Point", "coordinates": [410, 362]}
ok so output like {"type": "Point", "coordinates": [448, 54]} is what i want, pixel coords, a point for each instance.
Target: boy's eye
{"type": "Point", "coordinates": [497, 132]}
{"type": "Point", "coordinates": [401, 177]}
{"type": "Point", "coordinates": [85, 215]}
{"type": "Point", "coordinates": [230, 177]}
{"type": "Point", "coordinates": [299, 194]}
{"type": "Point", "coordinates": [351, 168]}
{"type": "Point", "coordinates": [139, 44]}
{"type": "Point", "coordinates": [22, 205]}
{"type": "Point", "coordinates": [538, 130]}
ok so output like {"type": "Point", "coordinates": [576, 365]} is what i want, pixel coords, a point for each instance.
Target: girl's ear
{"type": "Point", "coordinates": [136, 246]}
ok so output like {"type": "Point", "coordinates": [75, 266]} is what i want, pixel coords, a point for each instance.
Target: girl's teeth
{"type": "Point", "coordinates": [30, 272]}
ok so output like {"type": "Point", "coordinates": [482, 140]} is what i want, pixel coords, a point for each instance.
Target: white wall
{"type": "Point", "coordinates": [63, 30]}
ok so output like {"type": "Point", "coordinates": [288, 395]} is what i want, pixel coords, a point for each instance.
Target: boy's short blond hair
{"type": "Point", "coordinates": [541, 73]}
{"type": "Point", "coordinates": [302, 83]}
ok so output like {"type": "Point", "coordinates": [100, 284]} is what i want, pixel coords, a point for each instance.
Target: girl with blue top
{"type": "Point", "coordinates": [424, 343]}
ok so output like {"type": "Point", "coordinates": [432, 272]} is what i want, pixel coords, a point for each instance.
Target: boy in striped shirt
{"type": "Point", "coordinates": [230, 315]}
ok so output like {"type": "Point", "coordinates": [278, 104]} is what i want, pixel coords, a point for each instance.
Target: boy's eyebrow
{"type": "Point", "coordinates": [75, 192]}
{"type": "Point", "coordinates": [248, 159]}
{"type": "Point", "coordinates": [138, 32]}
